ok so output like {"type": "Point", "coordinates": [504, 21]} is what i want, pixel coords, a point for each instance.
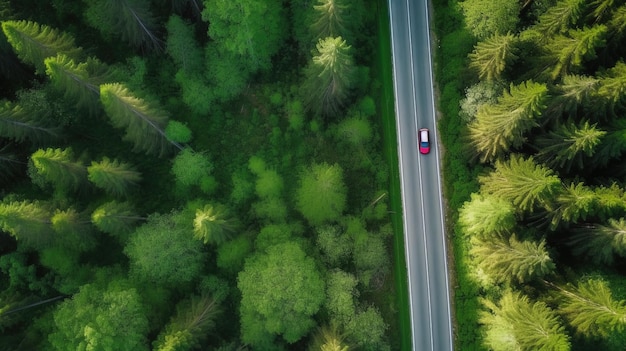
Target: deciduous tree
{"type": "Point", "coordinates": [321, 195]}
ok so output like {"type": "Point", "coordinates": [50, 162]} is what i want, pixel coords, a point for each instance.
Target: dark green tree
{"type": "Point", "coordinates": [19, 125]}
{"type": "Point", "coordinates": [600, 243]}
{"type": "Point", "coordinates": [59, 168]}
{"type": "Point", "coordinates": [321, 195]}
{"type": "Point", "coordinates": [329, 76]}
{"type": "Point", "coordinates": [182, 47]}
{"type": "Point", "coordinates": [501, 126]}
{"type": "Point", "coordinates": [281, 290]}
{"type": "Point", "coordinates": [27, 222]}
{"type": "Point", "coordinates": [493, 55]}
{"type": "Point", "coordinates": [567, 53]}
{"type": "Point", "coordinates": [34, 42]}
{"type": "Point", "coordinates": [143, 121]}
{"type": "Point", "coordinates": [73, 231]}
{"type": "Point", "coordinates": [191, 168]}
{"type": "Point", "coordinates": [129, 20]}
{"type": "Point", "coordinates": [115, 218]}
{"type": "Point", "coordinates": [612, 90]}
{"type": "Point", "coordinates": [573, 92]}
{"type": "Point", "coordinates": [113, 176]}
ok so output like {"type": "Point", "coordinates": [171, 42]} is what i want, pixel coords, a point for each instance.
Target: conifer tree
{"type": "Point", "coordinates": [331, 19]}
{"type": "Point", "coordinates": [516, 323]}
{"type": "Point", "coordinates": [523, 182]}
{"type": "Point", "coordinates": [213, 224]}
{"type": "Point", "coordinates": [143, 121]}
{"type": "Point", "coordinates": [573, 203]}
{"type": "Point", "coordinates": [492, 56]}
{"type": "Point", "coordinates": [9, 164]}
{"type": "Point", "coordinates": [560, 17]}
{"type": "Point", "coordinates": [568, 52]}
{"type": "Point", "coordinates": [73, 232]}
{"type": "Point", "coordinates": [599, 242]}
{"type": "Point", "coordinates": [27, 222]}
{"type": "Point", "coordinates": [115, 218]}
{"type": "Point", "coordinates": [330, 76]}
{"type": "Point", "coordinates": [574, 91]}
{"type": "Point", "coordinates": [328, 338]}
{"type": "Point", "coordinates": [34, 42]}
{"type": "Point", "coordinates": [499, 127]}
{"type": "Point", "coordinates": [59, 167]}
{"type": "Point", "coordinates": [509, 259]}
{"type": "Point", "coordinates": [113, 176]}
{"type": "Point", "coordinates": [592, 310]}
{"type": "Point", "coordinates": [485, 215]}
{"type": "Point", "coordinates": [130, 20]}
{"type": "Point", "coordinates": [182, 47]}
{"type": "Point", "coordinates": [612, 90]}
{"type": "Point", "coordinates": [601, 9]}
{"type": "Point", "coordinates": [19, 125]}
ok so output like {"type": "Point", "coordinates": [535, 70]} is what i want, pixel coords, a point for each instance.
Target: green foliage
{"type": "Point", "coordinates": [281, 290]}
{"type": "Point", "coordinates": [19, 125]}
{"type": "Point", "coordinates": [274, 234]}
{"type": "Point", "coordinates": [164, 251]}
{"type": "Point", "coordinates": [269, 184]}
{"type": "Point", "coordinates": [113, 176]}
{"type": "Point", "coordinates": [574, 91]}
{"type": "Point", "coordinates": [128, 20]}
{"type": "Point", "coordinates": [330, 77]}
{"type": "Point", "coordinates": [573, 203]}
{"type": "Point", "coordinates": [178, 132]}
{"type": "Point", "coordinates": [370, 259]}
{"type": "Point", "coordinates": [612, 90]}
{"type": "Point", "coordinates": [367, 330]}
{"type": "Point", "coordinates": [356, 130]}
{"type": "Point", "coordinates": [334, 244]}
{"type": "Point", "coordinates": [58, 167]}
{"type": "Point", "coordinates": [600, 243]}
{"type": "Point", "coordinates": [477, 95]}
{"type": "Point", "coordinates": [101, 319]}
{"type": "Point", "coordinates": [567, 52]}
{"type": "Point", "coordinates": [560, 17]}
{"type": "Point", "coordinates": [521, 182]}
{"type": "Point", "coordinates": [213, 224]}
{"type": "Point", "coordinates": [34, 42]}
{"type": "Point", "coordinates": [492, 56]}
{"type": "Point", "coordinates": [501, 126]}
{"type": "Point", "coordinates": [182, 47]}
{"type": "Point", "coordinates": [115, 218]}
{"type": "Point", "coordinates": [73, 232]}
{"type": "Point", "coordinates": [484, 18]}
{"type": "Point", "coordinates": [341, 296]}
{"type": "Point", "coordinates": [516, 323]}
{"type": "Point", "coordinates": [509, 259]}
{"type": "Point", "coordinates": [332, 18]}
{"type": "Point", "coordinates": [252, 30]}
{"type": "Point", "coordinates": [231, 254]}
{"type": "Point", "coordinates": [591, 309]}
{"type": "Point", "coordinates": [321, 195]}
{"type": "Point", "coordinates": [486, 215]}
{"type": "Point", "coordinates": [328, 338]}
{"type": "Point", "coordinates": [143, 120]}
{"type": "Point", "coordinates": [193, 320]}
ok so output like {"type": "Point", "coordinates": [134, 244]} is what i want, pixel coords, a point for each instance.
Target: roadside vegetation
{"type": "Point", "coordinates": [532, 98]}
{"type": "Point", "coordinates": [180, 175]}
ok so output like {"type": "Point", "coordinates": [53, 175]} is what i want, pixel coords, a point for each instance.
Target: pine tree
{"type": "Point", "coordinates": [574, 91]}
{"type": "Point", "coordinates": [492, 56]}
{"type": "Point", "coordinates": [34, 42]}
{"type": "Point", "coordinates": [612, 90]}
{"type": "Point", "coordinates": [9, 164]}
{"type": "Point", "coordinates": [80, 82]}
{"type": "Point", "coordinates": [330, 76]}
{"type": "Point", "coordinates": [569, 145]}
{"type": "Point", "coordinates": [73, 232]}
{"type": "Point", "coordinates": [573, 203]}
{"type": "Point", "coordinates": [19, 125]}
{"type": "Point", "coordinates": [516, 323]}
{"type": "Point", "coordinates": [566, 53]}
{"type": "Point", "coordinates": [328, 338]}
{"type": "Point", "coordinates": [28, 222]}
{"type": "Point", "coordinates": [213, 224]}
{"type": "Point", "coordinates": [58, 167]}
{"type": "Point", "coordinates": [523, 182]}
{"type": "Point", "coordinates": [602, 8]}
{"type": "Point", "coordinates": [502, 125]}
{"type": "Point", "coordinates": [115, 218]}
{"type": "Point", "coordinates": [144, 122]}
{"type": "Point", "coordinates": [599, 242]}
{"type": "Point", "coordinates": [560, 17]}
{"type": "Point", "coordinates": [182, 47]}
{"type": "Point", "coordinates": [509, 259]}
{"type": "Point", "coordinates": [113, 176]}
{"type": "Point", "coordinates": [591, 309]}
{"type": "Point", "coordinates": [486, 215]}
{"type": "Point", "coordinates": [331, 19]}
{"type": "Point", "coordinates": [130, 20]}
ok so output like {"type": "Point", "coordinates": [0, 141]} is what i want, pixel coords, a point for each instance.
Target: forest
{"type": "Point", "coordinates": [187, 174]}
{"type": "Point", "coordinates": [533, 98]}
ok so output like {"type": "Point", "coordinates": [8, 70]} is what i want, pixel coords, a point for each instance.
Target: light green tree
{"type": "Point", "coordinates": [329, 76]}
{"type": "Point", "coordinates": [522, 182]}
{"type": "Point", "coordinates": [367, 330]}
{"type": "Point", "coordinates": [485, 215]}
{"type": "Point", "coordinates": [115, 218]}
{"type": "Point", "coordinates": [335, 245]}
{"type": "Point", "coordinates": [59, 168]}
{"type": "Point", "coordinates": [493, 55]}
{"type": "Point", "coordinates": [567, 53]}
{"type": "Point", "coordinates": [516, 323]}
{"type": "Point", "coordinates": [73, 231]}
{"type": "Point", "coordinates": [573, 203]}
{"type": "Point", "coordinates": [321, 195]}
{"type": "Point", "coordinates": [213, 224]}
{"type": "Point", "coordinates": [191, 168]}
{"type": "Point", "coordinates": [501, 126]}
{"type": "Point", "coordinates": [560, 17]}
{"type": "Point", "coordinates": [484, 18]}
{"type": "Point", "coordinates": [574, 91]}
{"type": "Point", "coordinates": [143, 121]}
{"type": "Point", "coordinates": [113, 176]}
{"type": "Point", "coordinates": [128, 20]}
{"type": "Point", "coordinates": [101, 319]}
{"type": "Point", "coordinates": [281, 290]}
{"type": "Point", "coordinates": [28, 222]}
{"type": "Point", "coordinates": [341, 297]}
{"type": "Point", "coordinates": [34, 42]}
{"type": "Point", "coordinates": [612, 90]}
{"type": "Point", "coordinates": [332, 18]}
{"type": "Point", "coordinates": [328, 338]}
{"type": "Point", "coordinates": [509, 259]}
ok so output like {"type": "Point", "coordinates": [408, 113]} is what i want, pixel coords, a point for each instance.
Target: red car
{"type": "Point", "coordinates": [424, 140]}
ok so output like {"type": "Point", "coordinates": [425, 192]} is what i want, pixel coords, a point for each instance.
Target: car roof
{"type": "Point", "coordinates": [424, 133]}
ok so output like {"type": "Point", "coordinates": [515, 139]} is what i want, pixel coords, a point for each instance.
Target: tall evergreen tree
{"type": "Point", "coordinates": [213, 224]}
{"type": "Point", "coordinates": [516, 323]}
{"type": "Point", "coordinates": [332, 17]}
{"type": "Point", "coordinates": [115, 218]}
{"type": "Point", "coordinates": [612, 90]}
{"type": "Point", "coordinates": [328, 338]}
{"type": "Point", "coordinates": [502, 125]}
{"type": "Point", "coordinates": [523, 182]}
{"type": "Point", "coordinates": [182, 46]}
{"type": "Point", "coordinates": [34, 42]}
{"type": "Point", "coordinates": [509, 259]}
{"type": "Point", "coordinates": [143, 120]}
{"type": "Point", "coordinates": [485, 215]}
{"type": "Point", "coordinates": [59, 168]}
{"type": "Point", "coordinates": [560, 17]}
{"type": "Point", "coordinates": [599, 242]}
{"type": "Point", "coordinates": [573, 203]}
{"type": "Point", "coordinates": [329, 76]}
{"type": "Point", "coordinates": [566, 53]}
{"type": "Point", "coordinates": [73, 232]}
{"type": "Point", "coordinates": [574, 92]}
{"type": "Point", "coordinates": [27, 222]}
{"type": "Point", "coordinates": [113, 176]}
{"type": "Point", "coordinates": [492, 56]}
{"type": "Point", "coordinates": [130, 20]}
{"type": "Point", "coordinates": [19, 125]}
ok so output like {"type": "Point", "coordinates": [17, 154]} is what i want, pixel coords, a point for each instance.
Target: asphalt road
{"type": "Point", "coordinates": [420, 181]}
